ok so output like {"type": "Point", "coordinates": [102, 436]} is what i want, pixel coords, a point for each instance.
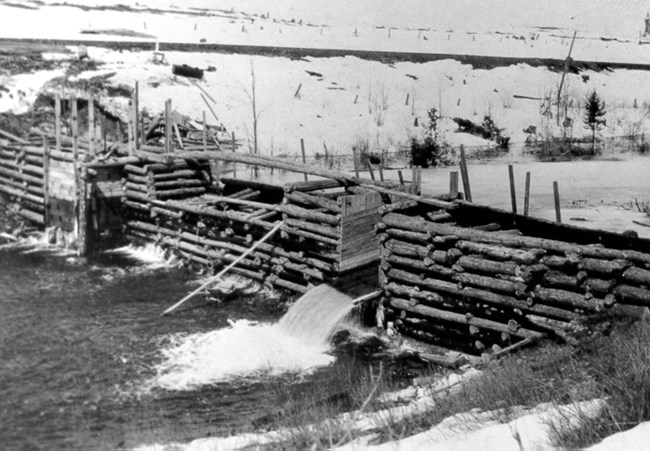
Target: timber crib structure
{"type": "Point", "coordinates": [462, 277]}
{"type": "Point", "coordinates": [484, 281]}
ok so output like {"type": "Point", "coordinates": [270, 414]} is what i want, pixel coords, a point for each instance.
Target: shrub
{"type": "Point", "coordinates": [429, 151]}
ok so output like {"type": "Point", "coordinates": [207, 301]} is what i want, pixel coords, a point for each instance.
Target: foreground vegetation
{"type": "Point", "coordinates": [613, 365]}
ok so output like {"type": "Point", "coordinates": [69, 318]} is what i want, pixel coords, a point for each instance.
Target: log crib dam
{"type": "Point", "coordinates": [484, 281]}
{"type": "Point", "coordinates": [462, 277]}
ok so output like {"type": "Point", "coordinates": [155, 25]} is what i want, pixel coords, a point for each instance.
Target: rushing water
{"type": "Point", "coordinates": [89, 363]}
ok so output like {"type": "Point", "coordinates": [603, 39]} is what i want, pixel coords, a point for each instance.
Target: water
{"type": "Point", "coordinates": [297, 344]}
{"type": "Point", "coordinates": [89, 363]}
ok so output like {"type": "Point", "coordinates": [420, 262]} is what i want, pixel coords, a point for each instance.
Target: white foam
{"type": "Point", "coordinates": [245, 349]}
{"type": "Point", "coordinates": [150, 254]}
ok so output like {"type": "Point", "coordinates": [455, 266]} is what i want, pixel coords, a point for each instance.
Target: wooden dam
{"type": "Point", "coordinates": [456, 275]}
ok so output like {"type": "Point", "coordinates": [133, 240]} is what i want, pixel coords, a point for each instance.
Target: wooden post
{"type": "Point", "coordinates": [143, 131]}
{"type": "Point", "coordinates": [465, 175]}
{"type": "Point", "coordinates": [416, 179]}
{"type": "Point", "coordinates": [401, 177]}
{"type": "Point", "coordinates": [453, 184]}
{"type": "Point", "coordinates": [513, 196]}
{"type": "Point", "coordinates": [57, 121]}
{"type": "Point", "coordinates": [527, 194]}
{"type": "Point", "coordinates": [381, 172]}
{"type": "Point", "coordinates": [205, 134]}
{"type": "Point", "coordinates": [82, 214]}
{"type": "Point", "coordinates": [46, 182]}
{"type": "Point", "coordinates": [372, 174]}
{"type": "Point", "coordinates": [215, 169]}
{"type": "Point", "coordinates": [355, 157]}
{"type": "Point", "coordinates": [91, 127]}
{"type": "Point", "coordinates": [304, 158]}
{"type": "Point", "coordinates": [556, 197]}
{"type": "Point", "coordinates": [234, 165]}
{"type": "Point", "coordinates": [77, 176]}
{"type": "Point", "coordinates": [168, 126]}
{"type": "Point", "coordinates": [136, 115]}
{"type": "Point", "coordinates": [75, 135]}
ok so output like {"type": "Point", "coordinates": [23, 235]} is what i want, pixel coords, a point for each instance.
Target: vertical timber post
{"type": "Point", "coordinates": [57, 121]}
{"type": "Point", "coordinates": [465, 175]}
{"type": "Point", "coordinates": [355, 157]}
{"type": "Point", "coordinates": [527, 194]}
{"type": "Point", "coordinates": [556, 197]}
{"type": "Point", "coordinates": [304, 157]}
{"type": "Point", "coordinates": [372, 174]}
{"type": "Point", "coordinates": [91, 127]}
{"type": "Point", "coordinates": [234, 147]}
{"type": "Point", "coordinates": [205, 134]}
{"type": "Point", "coordinates": [136, 115]}
{"type": "Point", "coordinates": [453, 184]}
{"type": "Point", "coordinates": [381, 172]}
{"type": "Point", "coordinates": [401, 177]}
{"type": "Point", "coordinates": [168, 126]}
{"type": "Point", "coordinates": [513, 195]}
{"type": "Point", "coordinates": [46, 182]}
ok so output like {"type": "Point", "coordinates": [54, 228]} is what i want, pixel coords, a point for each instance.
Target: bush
{"type": "Point", "coordinates": [429, 151]}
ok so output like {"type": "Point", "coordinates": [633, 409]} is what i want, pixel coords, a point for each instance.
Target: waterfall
{"type": "Point", "coordinates": [314, 317]}
{"type": "Point", "coordinates": [298, 343]}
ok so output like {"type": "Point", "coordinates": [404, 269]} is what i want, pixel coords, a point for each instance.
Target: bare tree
{"type": "Point", "coordinates": [255, 112]}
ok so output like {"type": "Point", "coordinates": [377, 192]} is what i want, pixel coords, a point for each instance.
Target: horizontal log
{"type": "Point", "coordinates": [637, 275]}
{"type": "Point", "coordinates": [397, 206]}
{"type": "Point", "coordinates": [500, 252]}
{"type": "Point", "coordinates": [419, 266]}
{"type": "Point", "coordinates": [485, 266]}
{"type": "Point", "coordinates": [131, 186]}
{"type": "Point", "coordinates": [406, 249]}
{"type": "Point", "coordinates": [408, 236]}
{"type": "Point", "coordinates": [565, 264]}
{"type": "Point", "coordinates": [279, 282]}
{"type": "Point", "coordinates": [490, 283]}
{"type": "Point", "coordinates": [22, 194]}
{"type": "Point", "coordinates": [458, 318]}
{"type": "Point", "coordinates": [479, 295]}
{"type": "Point", "coordinates": [566, 299]}
{"type": "Point", "coordinates": [332, 232]}
{"type": "Point", "coordinates": [181, 174]}
{"type": "Point", "coordinates": [177, 184]}
{"type": "Point", "coordinates": [312, 200]}
{"type": "Point", "coordinates": [285, 229]}
{"type": "Point", "coordinates": [185, 192]}
{"type": "Point", "coordinates": [303, 213]}
{"type": "Point", "coordinates": [139, 170]}
{"type": "Point", "coordinates": [417, 224]}
{"type": "Point", "coordinates": [559, 329]}
{"type": "Point", "coordinates": [627, 294]}
{"type": "Point", "coordinates": [313, 185]}
{"type": "Point", "coordinates": [558, 279]}
{"type": "Point", "coordinates": [21, 176]}
{"type": "Point", "coordinates": [605, 267]}
{"type": "Point", "coordinates": [598, 287]}
{"type": "Point", "coordinates": [439, 216]}
{"type": "Point", "coordinates": [32, 216]}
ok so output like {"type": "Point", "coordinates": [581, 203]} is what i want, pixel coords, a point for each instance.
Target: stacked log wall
{"type": "Point", "coordinates": [213, 225]}
{"type": "Point", "coordinates": [473, 283]}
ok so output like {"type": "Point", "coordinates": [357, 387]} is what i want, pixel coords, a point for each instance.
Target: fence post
{"type": "Point", "coordinates": [453, 184]}
{"type": "Point", "coordinates": [513, 196]}
{"type": "Point", "coordinates": [465, 175]}
{"type": "Point", "coordinates": [556, 197]}
{"type": "Point", "coordinates": [304, 157]}
{"type": "Point", "coordinates": [527, 194]}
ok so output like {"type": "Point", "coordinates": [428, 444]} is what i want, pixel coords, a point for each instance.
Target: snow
{"type": "Point", "coordinates": [478, 431]}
